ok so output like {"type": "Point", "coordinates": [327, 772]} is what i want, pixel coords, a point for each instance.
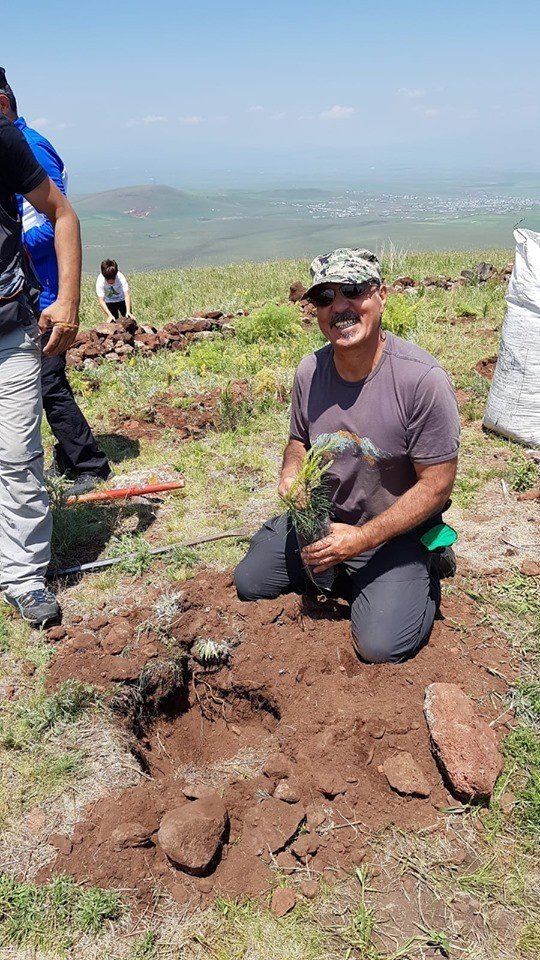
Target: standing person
{"type": "Point", "coordinates": [25, 519]}
{"type": "Point", "coordinates": [76, 453]}
{"type": "Point", "coordinates": [112, 291]}
{"type": "Point", "coordinates": [391, 409]}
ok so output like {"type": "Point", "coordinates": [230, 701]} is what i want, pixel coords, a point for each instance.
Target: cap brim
{"type": "Point", "coordinates": [335, 278]}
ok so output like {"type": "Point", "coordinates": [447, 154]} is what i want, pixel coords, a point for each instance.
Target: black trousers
{"type": "Point", "coordinates": [118, 309]}
{"type": "Point", "coordinates": [76, 450]}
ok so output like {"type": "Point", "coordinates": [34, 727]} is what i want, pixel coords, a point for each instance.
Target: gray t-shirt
{"type": "Point", "coordinates": [404, 412]}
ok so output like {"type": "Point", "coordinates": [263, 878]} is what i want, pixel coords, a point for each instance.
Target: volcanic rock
{"type": "Point", "coordinates": [463, 744]}
{"type": "Point", "coordinates": [286, 863]}
{"type": "Point", "coordinates": [530, 568]}
{"type": "Point", "coordinates": [97, 623]}
{"type": "Point", "coordinates": [296, 291]}
{"type": "Point", "coordinates": [331, 784]}
{"type": "Point", "coordinates": [192, 835]}
{"type": "Point", "coordinates": [288, 791]}
{"type": "Point", "coordinates": [309, 889]}
{"type": "Point", "coordinates": [530, 494]}
{"type": "Point", "coordinates": [283, 901]}
{"type": "Point", "coordinates": [277, 767]}
{"type": "Point", "coordinates": [130, 834]}
{"type": "Point", "coordinates": [61, 843]}
{"type": "Point", "coordinates": [405, 776]}
{"type": "Point", "coordinates": [56, 633]}
{"type": "Point", "coordinates": [306, 845]}
{"type": "Point", "coordinates": [270, 825]}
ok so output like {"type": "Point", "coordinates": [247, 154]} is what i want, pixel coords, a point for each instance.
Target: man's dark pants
{"type": "Point", "coordinates": [76, 450]}
{"type": "Point", "coordinates": [394, 591]}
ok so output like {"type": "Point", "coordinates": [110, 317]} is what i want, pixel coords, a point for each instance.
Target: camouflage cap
{"type": "Point", "coordinates": [345, 265]}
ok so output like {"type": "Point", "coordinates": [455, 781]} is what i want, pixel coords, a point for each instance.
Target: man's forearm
{"type": "Point", "coordinates": [293, 458]}
{"type": "Point", "coordinates": [67, 243]}
{"type": "Point", "coordinates": [409, 511]}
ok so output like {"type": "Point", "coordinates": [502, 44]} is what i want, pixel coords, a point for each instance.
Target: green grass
{"type": "Point", "coordinates": [52, 916]}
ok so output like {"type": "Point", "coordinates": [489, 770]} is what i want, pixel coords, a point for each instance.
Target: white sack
{"type": "Point", "coordinates": [513, 404]}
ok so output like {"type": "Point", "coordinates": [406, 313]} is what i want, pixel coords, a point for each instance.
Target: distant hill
{"type": "Point", "coordinates": [154, 226]}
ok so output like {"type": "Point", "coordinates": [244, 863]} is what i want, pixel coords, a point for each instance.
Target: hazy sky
{"type": "Point", "coordinates": [246, 94]}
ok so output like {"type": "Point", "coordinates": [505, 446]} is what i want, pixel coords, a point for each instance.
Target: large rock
{"type": "Point", "coordinates": [405, 776]}
{"type": "Point", "coordinates": [270, 825]}
{"type": "Point", "coordinates": [463, 744]}
{"type": "Point", "coordinates": [191, 835]}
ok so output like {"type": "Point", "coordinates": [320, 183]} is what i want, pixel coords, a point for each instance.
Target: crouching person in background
{"type": "Point", "coordinates": [112, 291]}
{"type": "Point", "coordinates": [390, 412]}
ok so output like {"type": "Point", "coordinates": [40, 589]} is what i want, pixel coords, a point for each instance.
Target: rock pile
{"type": "Point", "coordinates": [125, 337]}
{"type": "Point", "coordinates": [481, 274]}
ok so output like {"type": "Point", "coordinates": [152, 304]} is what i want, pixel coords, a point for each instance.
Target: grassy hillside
{"type": "Point", "coordinates": [469, 883]}
{"type": "Point", "coordinates": [172, 294]}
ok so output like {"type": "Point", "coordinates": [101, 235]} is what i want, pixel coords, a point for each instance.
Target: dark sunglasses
{"type": "Point", "coordinates": [326, 295]}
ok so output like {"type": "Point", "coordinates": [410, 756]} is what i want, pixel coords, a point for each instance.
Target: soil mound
{"type": "Point", "coordinates": [189, 416]}
{"type": "Point", "coordinates": [486, 367]}
{"type": "Point", "coordinates": [264, 708]}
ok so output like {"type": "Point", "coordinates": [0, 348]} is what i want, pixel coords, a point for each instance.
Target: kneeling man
{"type": "Point", "coordinates": [388, 486]}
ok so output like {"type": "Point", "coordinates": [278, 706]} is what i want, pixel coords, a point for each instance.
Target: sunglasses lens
{"type": "Point", "coordinates": [324, 297]}
{"type": "Point", "coordinates": [352, 290]}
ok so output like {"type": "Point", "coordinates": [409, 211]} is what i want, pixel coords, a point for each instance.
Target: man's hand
{"type": "Point", "coordinates": [62, 317]}
{"type": "Point", "coordinates": [342, 542]}
{"type": "Point", "coordinates": [285, 484]}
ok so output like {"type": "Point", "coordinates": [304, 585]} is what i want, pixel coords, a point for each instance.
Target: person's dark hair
{"type": "Point", "coordinates": [109, 269]}
{"type": "Point", "coordinates": [5, 88]}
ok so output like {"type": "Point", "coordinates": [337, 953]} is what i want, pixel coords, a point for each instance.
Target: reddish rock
{"type": "Point", "coordinates": [306, 845]}
{"type": "Point", "coordinates": [116, 638]}
{"type": "Point", "coordinates": [288, 791]}
{"type": "Point", "coordinates": [283, 901]}
{"type": "Point", "coordinates": [463, 744]}
{"type": "Point", "coordinates": [287, 863]}
{"type": "Point", "coordinates": [315, 817]}
{"type": "Point", "coordinates": [330, 784]}
{"type": "Point", "coordinates": [277, 767]}
{"type": "Point", "coordinates": [130, 834]}
{"type": "Point", "coordinates": [97, 623]}
{"type": "Point", "coordinates": [309, 889]}
{"type": "Point", "coordinates": [405, 776]}
{"type": "Point", "coordinates": [192, 835]}
{"type": "Point", "coordinates": [56, 633]}
{"type": "Point", "coordinates": [61, 843]}
{"type": "Point", "coordinates": [296, 291]}
{"type": "Point", "coordinates": [270, 825]}
{"type": "Point", "coordinates": [530, 568]}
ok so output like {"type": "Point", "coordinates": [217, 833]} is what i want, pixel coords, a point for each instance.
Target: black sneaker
{"type": "Point", "coordinates": [86, 482]}
{"type": "Point", "coordinates": [36, 606]}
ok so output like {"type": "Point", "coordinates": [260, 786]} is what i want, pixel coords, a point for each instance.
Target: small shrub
{"type": "Point", "coordinates": [270, 323]}
{"type": "Point", "coordinates": [524, 473]}
{"type": "Point", "coordinates": [233, 412]}
{"type": "Point", "coordinates": [210, 652]}
{"type": "Point", "coordinates": [400, 315]}
{"type": "Point", "coordinates": [133, 552]}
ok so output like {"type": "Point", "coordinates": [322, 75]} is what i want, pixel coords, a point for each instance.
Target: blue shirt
{"type": "Point", "coordinates": [38, 232]}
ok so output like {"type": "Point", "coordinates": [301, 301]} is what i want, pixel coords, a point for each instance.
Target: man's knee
{"type": "Point", "coordinates": [382, 640]}
{"type": "Point", "coordinates": [249, 585]}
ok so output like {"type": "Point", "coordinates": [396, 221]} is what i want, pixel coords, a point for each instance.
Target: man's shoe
{"type": "Point", "coordinates": [86, 482]}
{"type": "Point", "coordinates": [36, 606]}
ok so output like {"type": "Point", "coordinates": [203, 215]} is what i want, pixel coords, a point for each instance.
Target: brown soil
{"type": "Point", "coordinates": [293, 711]}
{"type": "Point", "coordinates": [190, 420]}
{"type": "Point", "coordinates": [486, 367]}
